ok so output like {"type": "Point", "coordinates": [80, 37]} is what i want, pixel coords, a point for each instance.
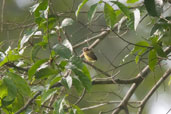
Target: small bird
{"type": "Point", "coordinates": [89, 55]}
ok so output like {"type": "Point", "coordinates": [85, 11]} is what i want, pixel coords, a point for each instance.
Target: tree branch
{"type": "Point", "coordinates": [28, 103]}
{"type": "Point", "coordinates": [143, 74]}
{"type": "Point", "coordinates": [150, 93]}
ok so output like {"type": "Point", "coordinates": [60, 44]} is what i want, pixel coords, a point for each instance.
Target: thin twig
{"type": "Point", "coordinates": [155, 87]}
{"type": "Point", "coordinates": [143, 74]}
{"type": "Point", "coordinates": [81, 97]}
{"type": "Point", "coordinates": [29, 102]}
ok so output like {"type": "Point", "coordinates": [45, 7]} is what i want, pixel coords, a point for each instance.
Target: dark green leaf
{"type": "Point", "coordinates": [159, 50]}
{"type": "Point", "coordinates": [77, 84]}
{"type": "Point", "coordinates": [77, 61]}
{"type": "Point", "coordinates": [152, 59]}
{"type": "Point", "coordinates": [18, 103]}
{"type": "Point", "coordinates": [110, 16]}
{"type": "Point", "coordinates": [5, 102]}
{"type": "Point", "coordinates": [83, 78]}
{"type": "Point", "coordinates": [12, 90]}
{"type": "Point", "coordinates": [55, 80]}
{"type": "Point", "coordinates": [47, 95]}
{"type": "Point", "coordinates": [45, 72]}
{"type": "Point", "coordinates": [62, 51]}
{"type": "Point", "coordinates": [153, 8]}
{"type": "Point", "coordinates": [123, 8]}
{"type": "Point", "coordinates": [64, 83]}
{"type": "Point", "coordinates": [20, 83]}
{"type": "Point", "coordinates": [80, 6]}
{"type": "Point", "coordinates": [51, 22]}
{"type": "Point", "coordinates": [63, 64]}
{"type": "Point", "coordinates": [34, 52]}
{"type": "Point", "coordinates": [4, 90]}
{"type": "Point", "coordinates": [92, 12]}
{"type": "Point", "coordinates": [34, 68]}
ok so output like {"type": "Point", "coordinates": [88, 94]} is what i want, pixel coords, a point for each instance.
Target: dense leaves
{"type": "Point", "coordinates": [46, 62]}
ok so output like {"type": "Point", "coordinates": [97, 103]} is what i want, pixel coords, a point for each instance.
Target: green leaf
{"type": "Point", "coordinates": [4, 90]}
{"type": "Point", "coordinates": [123, 8]}
{"type": "Point", "coordinates": [159, 50]}
{"type": "Point", "coordinates": [77, 61]}
{"type": "Point", "coordinates": [92, 12]}
{"type": "Point", "coordinates": [153, 8]}
{"type": "Point", "coordinates": [86, 71]}
{"type": "Point", "coordinates": [40, 10]}
{"type": "Point", "coordinates": [55, 80]}
{"type": "Point", "coordinates": [110, 16]}
{"type": "Point", "coordinates": [62, 51]}
{"type": "Point", "coordinates": [34, 52]}
{"type": "Point", "coordinates": [34, 68]}
{"type": "Point", "coordinates": [45, 72]}
{"type": "Point", "coordinates": [132, 1]}
{"type": "Point", "coordinates": [137, 48]}
{"type": "Point", "coordinates": [136, 18]}
{"type": "Point", "coordinates": [28, 34]}
{"type": "Point", "coordinates": [67, 22]}
{"type": "Point", "coordinates": [80, 6]}
{"type": "Point", "coordinates": [77, 84]}
{"type": "Point", "coordinates": [137, 59]}
{"type": "Point", "coordinates": [5, 101]}
{"type": "Point", "coordinates": [20, 83]}
{"type": "Point", "coordinates": [152, 59]}
{"type": "Point", "coordinates": [78, 110]}
{"type": "Point", "coordinates": [154, 29]}
{"type": "Point", "coordinates": [141, 51]}
{"type": "Point", "coordinates": [59, 106]}
{"type": "Point", "coordinates": [12, 56]}
{"type": "Point", "coordinates": [51, 22]}
{"type": "Point", "coordinates": [47, 95]}
{"type": "Point", "coordinates": [130, 22]}
{"type": "Point", "coordinates": [11, 87]}
{"type": "Point", "coordinates": [83, 78]}
{"type": "Point", "coordinates": [63, 64]}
